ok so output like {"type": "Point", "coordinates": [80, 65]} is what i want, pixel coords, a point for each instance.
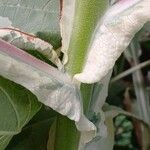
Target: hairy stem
{"type": "Point", "coordinates": [87, 14]}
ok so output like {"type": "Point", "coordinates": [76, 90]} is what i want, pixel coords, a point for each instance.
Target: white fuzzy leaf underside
{"type": "Point", "coordinates": [52, 87]}
{"type": "Point", "coordinates": [113, 34]}
{"type": "Point", "coordinates": [27, 41]}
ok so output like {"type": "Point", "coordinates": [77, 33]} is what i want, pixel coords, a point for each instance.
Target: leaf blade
{"type": "Point", "coordinates": [28, 15]}
{"type": "Point", "coordinates": [13, 118]}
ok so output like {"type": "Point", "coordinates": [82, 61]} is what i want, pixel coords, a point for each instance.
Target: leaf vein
{"type": "Point", "coordinates": [30, 8]}
{"type": "Point", "coordinates": [13, 106]}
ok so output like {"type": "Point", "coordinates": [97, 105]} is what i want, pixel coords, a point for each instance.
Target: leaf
{"type": "Point", "coordinates": [52, 87]}
{"type": "Point", "coordinates": [17, 107]}
{"type": "Point", "coordinates": [35, 134]}
{"type": "Point", "coordinates": [31, 16]}
{"type": "Point", "coordinates": [52, 38]}
{"type": "Point", "coordinates": [27, 41]}
{"type": "Point", "coordinates": [112, 36]}
{"type": "Point", "coordinates": [65, 136]}
{"type": "Point", "coordinates": [39, 18]}
{"type": "Point", "coordinates": [40, 56]}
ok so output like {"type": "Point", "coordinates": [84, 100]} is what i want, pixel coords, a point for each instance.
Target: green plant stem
{"type": "Point", "coordinates": [87, 15]}
{"type": "Point", "coordinates": [86, 91]}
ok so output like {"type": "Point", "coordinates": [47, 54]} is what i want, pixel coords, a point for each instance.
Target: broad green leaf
{"type": "Point", "coordinates": [68, 140]}
{"type": "Point", "coordinates": [35, 134]}
{"type": "Point", "coordinates": [31, 16]}
{"type": "Point", "coordinates": [17, 107]}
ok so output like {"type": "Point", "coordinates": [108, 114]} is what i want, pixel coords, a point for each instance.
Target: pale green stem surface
{"type": "Point", "coordinates": [87, 15]}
